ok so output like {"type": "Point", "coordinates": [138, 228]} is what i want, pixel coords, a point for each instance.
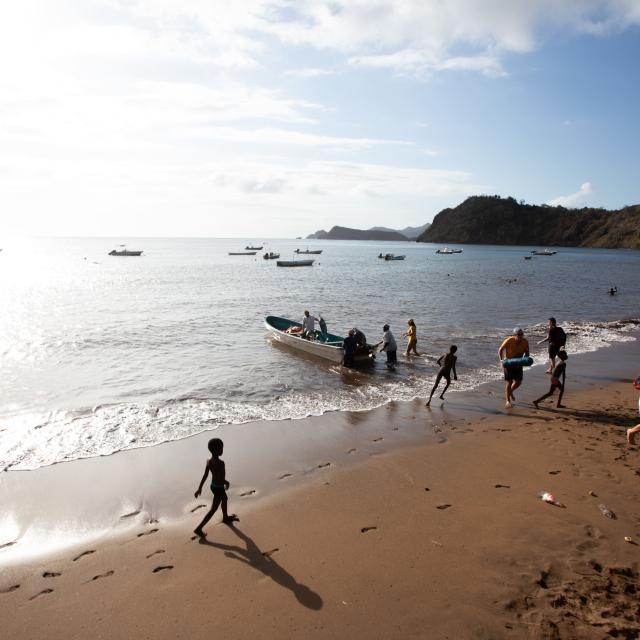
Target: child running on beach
{"type": "Point", "coordinates": [219, 485]}
{"type": "Point", "coordinates": [557, 381]}
{"type": "Point", "coordinates": [448, 366]}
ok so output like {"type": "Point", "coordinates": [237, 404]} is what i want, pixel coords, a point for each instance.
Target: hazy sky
{"type": "Point", "coordinates": [270, 118]}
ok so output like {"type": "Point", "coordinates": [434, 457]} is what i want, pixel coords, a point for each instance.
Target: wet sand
{"type": "Point", "coordinates": [443, 539]}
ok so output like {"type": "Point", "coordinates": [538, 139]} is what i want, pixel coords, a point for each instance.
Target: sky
{"type": "Point", "coordinates": [276, 118]}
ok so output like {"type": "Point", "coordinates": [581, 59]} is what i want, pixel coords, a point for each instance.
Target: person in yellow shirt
{"type": "Point", "coordinates": [412, 337]}
{"type": "Point", "coordinates": [515, 346]}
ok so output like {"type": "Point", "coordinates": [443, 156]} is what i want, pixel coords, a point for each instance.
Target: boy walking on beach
{"type": "Point", "coordinates": [514, 346]}
{"type": "Point", "coordinates": [448, 366]}
{"type": "Point", "coordinates": [557, 381]}
{"type": "Point", "coordinates": [219, 486]}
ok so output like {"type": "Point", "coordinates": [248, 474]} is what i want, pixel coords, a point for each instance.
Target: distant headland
{"type": "Point", "coordinates": [496, 220]}
{"type": "Point", "coordinates": [375, 233]}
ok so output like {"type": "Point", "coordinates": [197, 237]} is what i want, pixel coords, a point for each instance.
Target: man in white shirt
{"type": "Point", "coordinates": [389, 346]}
{"type": "Point", "coordinates": [308, 325]}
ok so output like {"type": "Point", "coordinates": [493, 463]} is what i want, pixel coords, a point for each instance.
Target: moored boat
{"type": "Point", "coordinates": [295, 263]}
{"type": "Point", "coordinates": [544, 252]}
{"type": "Point", "coordinates": [124, 252]}
{"type": "Point", "coordinates": [391, 256]}
{"type": "Point", "coordinates": [250, 248]}
{"type": "Point", "coordinates": [323, 345]}
{"type": "Point", "coordinates": [270, 255]}
{"type": "Point", "coordinates": [242, 253]}
{"type": "Point", "coordinates": [315, 252]}
{"type": "Point", "coordinates": [446, 251]}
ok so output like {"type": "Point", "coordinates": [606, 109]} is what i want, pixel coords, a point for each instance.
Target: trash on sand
{"type": "Point", "coordinates": [607, 513]}
{"type": "Point", "coordinates": [547, 497]}
{"type": "Point", "coordinates": [628, 539]}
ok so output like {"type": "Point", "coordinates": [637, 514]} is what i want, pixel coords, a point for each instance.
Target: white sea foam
{"type": "Point", "coordinates": [31, 440]}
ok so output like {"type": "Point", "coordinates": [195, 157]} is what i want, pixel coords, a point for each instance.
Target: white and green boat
{"type": "Point", "coordinates": [323, 345]}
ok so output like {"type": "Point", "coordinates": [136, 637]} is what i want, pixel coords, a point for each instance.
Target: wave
{"type": "Point", "coordinates": [29, 441]}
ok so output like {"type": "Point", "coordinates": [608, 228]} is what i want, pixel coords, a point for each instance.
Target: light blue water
{"type": "Point", "coordinates": [102, 353]}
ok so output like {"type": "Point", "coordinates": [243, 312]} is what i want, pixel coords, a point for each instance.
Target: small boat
{"type": "Point", "coordinates": [446, 251]}
{"type": "Point", "coordinates": [242, 253]}
{"type": "Point", "coordinates": [390, 256]}
{"type": "Point", "coordinates": [295, 263]}
{"type": "Point", "coordinates": [124, 252]}
{"type": "Point", "coordinates": [250, 248]}
{"type": "Point", "coordinates": [315, 252]}
{"type": "Point", "coordinates": [323, 345]}
{"type": "Point", "coordinates": [527, 258]}
{"type": "Point", "coordinates": [544, 252]}
{"type": "Point", "coordinates": [271, 255]}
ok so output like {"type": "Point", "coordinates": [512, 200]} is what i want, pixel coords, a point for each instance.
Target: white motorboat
{"type": "Point", "coordinates": [544, 252]}
{"type": "Point", "coordinates": [323, 345]}
{"type": "Point", "coordinates": [446, 251]}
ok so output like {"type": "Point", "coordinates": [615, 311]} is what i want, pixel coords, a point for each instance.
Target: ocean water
{"type": "Point", "coordinates": [100, 353]}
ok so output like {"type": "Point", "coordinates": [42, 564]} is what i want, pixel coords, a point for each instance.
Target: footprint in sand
{"type": "Point", "coordinates": [351, 450]}
{"type": "Point", "coordinates": [247, 493]}
{"type": "Point", "coordinates": [8, 544]}
{"type": "Point", "coordinates": [155, 553]}
{"type": "Point", "coordinates": [378, 439]}
{"type": "Point", "coordinates": [395, 429]}
{"type": "Point", "coordinates": [427, 489]}
{"type": "Point", "coordinates": [443, 506]}
{"type": "Point", "coordinates": [13, 587]}
{"type": "Point", "coordinates": [554, 473]}
{"type": "Point", "coordinates": [200, 506]}
{"type": "Point", "coordinates": [367, 529]}
{"type": "Point", "coordinates": [103, 575]}
{"type": "Point", "coordinates": [502, 486]}
{"type": "Point", "coordinates": [41, 593]}
{"type": "Point", "coordinates": [165, 567]}
{"type": "Point", "coordinates": [153, 521]}
{"type": "Point", "coordinates": [84, 553]}
{"type": "Point", "coordinates": [130, 515]}
{"type": "Point", "coordinates": [324, 465]}
{"type": "Point", "coordinates": [147, 533]}
{"type": "Point", "coordinates": [51, 574]}
{"type": "Point", "coordinates": [284, 476]}
{"type": "Point", "coordinates": [268, 554]}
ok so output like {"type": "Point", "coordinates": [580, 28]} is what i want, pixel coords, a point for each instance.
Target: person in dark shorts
{"type": "Point", "coordinates": [557, 338]}
{"type": "Point", "coordinates": [349, 346]}
{"type": "Point", "coordinates": [448, 363]}
{"type": "Point", "coordinates": [389, 346]}
{"type": "Point", "coordinates": [557, 381]}
{"type": "Point", "coordinates": [219, 486]}
{"type": "Point", "coordinates": [514, 346]}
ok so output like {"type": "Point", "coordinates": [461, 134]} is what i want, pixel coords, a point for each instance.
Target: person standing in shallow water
{"type": "Point", "coordinates": [412, 337]}
{"type": "Point", "coordinates": [515, 346]}
{"type": "Point", "coordinates": [556, 337]}
{"type": "Point", "coordinates": [219, 486]}
{"type": "Point", "coordinates": [389, 346]}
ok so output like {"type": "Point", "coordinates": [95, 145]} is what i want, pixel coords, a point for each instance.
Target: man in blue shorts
{"type": "Point", "coordinates": [515, 346]}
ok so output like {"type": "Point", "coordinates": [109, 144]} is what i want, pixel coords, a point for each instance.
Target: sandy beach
{"type": "Point", "coordinates": [445, 540]}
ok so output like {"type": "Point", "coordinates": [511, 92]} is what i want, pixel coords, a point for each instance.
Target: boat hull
{"type": "Point", "coordinates": [126, 253]}
{"type": "Point", "coordinates": [242, 253]}
{"type": "Point", "coordinates": [327, 346]}
{"type": "Point", "coordinates": [294, 263]}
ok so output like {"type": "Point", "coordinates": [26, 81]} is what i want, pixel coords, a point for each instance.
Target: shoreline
{"type": "Point", "coordinates": [94, 498]}
{"type": "Point", "coordinates": [422, 541]}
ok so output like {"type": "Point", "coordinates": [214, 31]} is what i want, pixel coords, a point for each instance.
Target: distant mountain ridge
{"type": "Point", "coordinates": [496, 220]}
{"type": "Point", "coordinates": [375, 233]}
{"type": "Point", "coordinates": [345, 233]}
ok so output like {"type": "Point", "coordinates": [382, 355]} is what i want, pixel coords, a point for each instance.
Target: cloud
{"type": "Point", "coordinates": [573, 200]}
{"type": "Point", "coordinates": [311, 72]}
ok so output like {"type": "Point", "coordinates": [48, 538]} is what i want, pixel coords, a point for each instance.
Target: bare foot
{"type": "Point", "coordinates": [427, 403]}
{"type": "Point", "coordinates": [631, 436]}
{"type": "Point", "coordinates": [200, 533]}
{"type": "Point", "coordinates": [441, 397]}
{"type": "Point", "coordinates": [229, 519]}
{"type": "Point", "coordinates": [535, 404]}
{"type": "Point", "coordinates": [561, 406]}
{"type": "Point", "coordinates": [508, 405]}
